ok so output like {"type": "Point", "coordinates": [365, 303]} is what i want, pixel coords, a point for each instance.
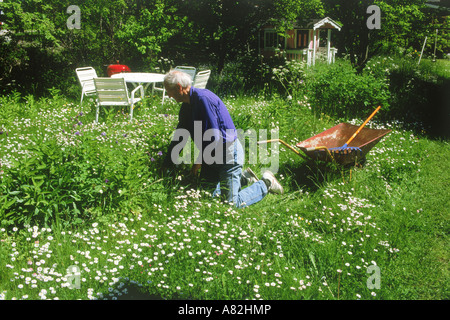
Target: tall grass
{"type": "Point", "coordinates": [127, 229]}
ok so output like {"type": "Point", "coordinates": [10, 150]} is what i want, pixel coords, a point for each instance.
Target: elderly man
{"type": "Point", "coordinates": [204, 117]}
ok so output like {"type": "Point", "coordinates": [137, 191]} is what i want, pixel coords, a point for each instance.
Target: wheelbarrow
{"type": "Point", "coordinates": [344, 143]}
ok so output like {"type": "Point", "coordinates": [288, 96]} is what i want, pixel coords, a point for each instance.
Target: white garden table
{"type": "Point", "coordinates": [144, 79]}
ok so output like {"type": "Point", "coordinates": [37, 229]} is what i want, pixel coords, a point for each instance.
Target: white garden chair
{"type": "Point", "coordinates": [186, 69]}
{"type": "Point", "coordinates": [86, 77]}
{"type": "Point", "coordinates": [189, 70]}
{"type": "Point", "coordinates": [114, 92]}
{"type": "Point", "coordinates": [201, 79]}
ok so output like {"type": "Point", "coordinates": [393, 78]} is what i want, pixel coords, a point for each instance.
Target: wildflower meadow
{"type": "Point", "coordinates": [88, 213]}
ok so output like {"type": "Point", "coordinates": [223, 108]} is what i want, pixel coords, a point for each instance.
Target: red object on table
{"type": "Point", "coordinates": [117, 68]}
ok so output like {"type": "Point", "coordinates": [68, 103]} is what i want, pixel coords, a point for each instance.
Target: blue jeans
{"type": "Point", "coordinates": [226, 179]}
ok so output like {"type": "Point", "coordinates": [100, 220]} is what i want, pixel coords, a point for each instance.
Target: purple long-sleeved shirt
{"type": "Point", "coordinates": [205, 111]}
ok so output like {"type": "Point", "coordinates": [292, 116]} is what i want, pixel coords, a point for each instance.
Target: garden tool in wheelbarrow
{"type": "Point", "coordinates": [344, 143]}
{"type": "Point", "coordinates": [346, 147]}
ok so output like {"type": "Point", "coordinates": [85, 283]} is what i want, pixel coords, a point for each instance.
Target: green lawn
{"type": "Point", "coordinates": [441, 66]}
{"type": "Point", "coordinates": [374, 232]}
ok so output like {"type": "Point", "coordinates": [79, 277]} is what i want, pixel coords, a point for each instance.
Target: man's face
{"type": "Point", "coordinates": [176, 92]}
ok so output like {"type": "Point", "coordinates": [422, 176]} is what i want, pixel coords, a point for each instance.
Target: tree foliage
{"type": "Point", "coordinates": [404, 26]}
{"type": "Point", "coordinates": [39, 51]}
{"type": "Point", "coordinates": [285, 12]}
{"type": "Point", "coordinates": [130, 31]}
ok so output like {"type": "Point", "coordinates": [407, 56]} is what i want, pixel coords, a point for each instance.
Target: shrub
{"type": "Point", "coordinates": [420, 95]}
{"type": "Point", "coordinates": [290, 76]}
{"type": "Point", "coordinates": [249, 74]}
{"type": "Point", "coordinates": [45, 186]}
{"type": "Point", "coordinates": [338, 90]}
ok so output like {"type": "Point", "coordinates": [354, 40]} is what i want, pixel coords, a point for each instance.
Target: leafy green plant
{"type": "Point", "coordinates": [291, 76]}
{"type": "Point", "coordinates": [339, 91]}
{"type": "Point", "coordinates": [42, 188]}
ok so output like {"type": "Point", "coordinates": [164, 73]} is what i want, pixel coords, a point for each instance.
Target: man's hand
{"type": "Point", "coordinates": [195, 168]}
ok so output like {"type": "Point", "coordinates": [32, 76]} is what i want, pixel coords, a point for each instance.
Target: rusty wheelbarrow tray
{"type": "Point", "coordinates": [318, 147]}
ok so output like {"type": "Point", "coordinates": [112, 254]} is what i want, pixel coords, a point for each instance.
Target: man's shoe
{"type": "Point", "coordinates": [250, 176]}
{"type": "Point", "coordinates": [274, 185]}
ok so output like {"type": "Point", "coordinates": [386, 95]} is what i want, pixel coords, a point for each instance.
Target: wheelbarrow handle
{"type": "Point", "coordinates": [320, 148]}
{"type": "Point", "coordinates": [315, 148]}
{"type": "Point", "coordinates": [362, 126]}
{"type": "Point", "coordinates": [280, 141]}
{"type": "Point", "coordinates": [285, 144]}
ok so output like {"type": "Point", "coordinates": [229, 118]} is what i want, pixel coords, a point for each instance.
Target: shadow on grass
{"type": "Point", "coordinates": [311, 176]}
{"type": "Point", "coordinates": [135, 292]}
{"type": "Point", "coordinates": [127, 289]}
{"type": "Point", "coordinates": [424, 110]}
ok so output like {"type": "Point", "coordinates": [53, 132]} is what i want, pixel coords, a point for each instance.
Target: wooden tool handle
{"type": "Point", "coordinates": [362, 126]}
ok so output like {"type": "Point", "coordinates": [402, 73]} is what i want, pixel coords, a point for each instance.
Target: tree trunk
{"type": "Point", "coordinates": [222, 54]}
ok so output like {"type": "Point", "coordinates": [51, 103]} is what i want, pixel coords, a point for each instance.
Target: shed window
{"type": "Point", "coordinates": [302, 39]}
{"type": "Point", "coordinates": [272, 39]}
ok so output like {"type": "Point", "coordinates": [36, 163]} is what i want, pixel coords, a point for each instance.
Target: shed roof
{"type": "Point", "coordinates": [325, 23]}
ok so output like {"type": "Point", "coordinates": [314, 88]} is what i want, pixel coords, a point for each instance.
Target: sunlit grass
{"type": "Point", "coordinates": [156, 233]}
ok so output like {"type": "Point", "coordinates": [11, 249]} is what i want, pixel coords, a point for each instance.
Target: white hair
{"type": "Point", "coordinates": [175, 77]}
